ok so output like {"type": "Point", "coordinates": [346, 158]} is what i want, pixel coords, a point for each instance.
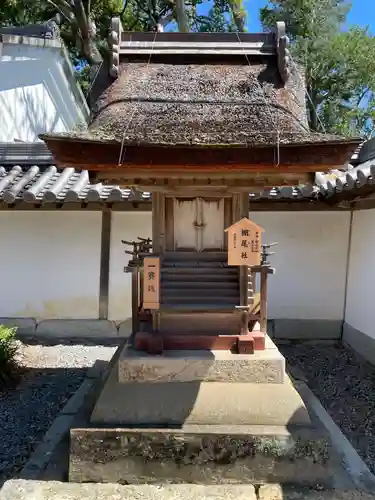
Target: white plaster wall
{"type": "Point", "coordinates": [361, 278]}
{"type": "Point", "coordinates": [125, 226]}
{"type": "Point", "coordinates": [49, 265]}
{"type": "Point", "coordinates": [35, 93]}
{"type": "Point", "coordinates": [310, 263]}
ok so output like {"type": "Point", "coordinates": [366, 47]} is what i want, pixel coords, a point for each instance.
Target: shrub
{"type": "Point", "coordinates": [8, 349]}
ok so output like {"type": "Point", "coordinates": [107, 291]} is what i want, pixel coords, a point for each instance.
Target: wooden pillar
{"type": "Point", "coordinates": [105, 251]}
{"type": "Point", "coordinates": [158, 222]}
{"type": "Point", "coordinates": [263, 298]}
{"type": "Point", "coordinates": [236, 208]}
{"type": "Point", "coordinates": [135, 300]}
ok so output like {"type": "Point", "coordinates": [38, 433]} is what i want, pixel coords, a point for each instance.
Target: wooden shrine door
{"type": "Point", "coordinates": [199, 224]}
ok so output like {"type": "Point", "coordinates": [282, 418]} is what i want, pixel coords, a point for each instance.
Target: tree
{"type": "Point", "coordinates": [339, 65]}
{"type": "Point", "coordinates": [22, 12]}
{"type": "Point", "coordinates": [85, 23]}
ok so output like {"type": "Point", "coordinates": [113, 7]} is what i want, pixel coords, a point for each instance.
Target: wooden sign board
{"type": "Point", "coordinates": [244, 243]}
{"type": "Point", "coordinates": [151, 283]}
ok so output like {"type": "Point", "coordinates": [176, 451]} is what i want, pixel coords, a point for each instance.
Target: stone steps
{"type": "Point", "coordinates": [198, 298]}
{"type": "Point", "coordinates": [225, 307]}
{"type": "Point", "coordinates": [195, 256]}
{"type": "Point", "coordinates": [198, 282]}
{"type": "Point", "coordinates": [18, 489]}
{"type": "Point", "coordinates": [189, 284]}
{"type": "Point", "coordinates": [170, 271]}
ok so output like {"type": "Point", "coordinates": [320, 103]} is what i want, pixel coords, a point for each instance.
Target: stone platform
{"type": "Point", "coordinates": [266, 367]}
{"type": "Point", "coordinates": [200, 417]}
{"type": "Point", "coordinates": [201, 455]}
{"type": "Point", "coordinates": [53, 490]}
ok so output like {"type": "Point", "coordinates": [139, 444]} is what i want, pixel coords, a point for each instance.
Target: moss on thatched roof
{"type": "Point", "coordinates": [202, 105]}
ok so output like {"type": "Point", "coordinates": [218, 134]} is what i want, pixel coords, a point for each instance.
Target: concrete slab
{"type": "Point", "coordinates": [77, 328]}
{"type": "Point", "coordinates": [352, 463]}
{"type": "Point", "coordinates": [262, 367]}
{"type": "Point", "coordinates": [277, 492]}
{"type": "Point", "coordinates": [201, 455]}
{"type": "Point", "coordinates": [25, 326]}
{"type": "Point", "coordinates": [42, 455]}
{"type": "Point", "coordinates": [53, 490]}
{"type": "Point", "coordinates": [303, 329]}
{"type": "Point", "coordinates": [16, 489]}
{"type": "Point", "coordinates": [177, 403]}
{"type": "Point", "coordinates": [362, 343]}
{"type": "Point", "coordinates": [125, 329]}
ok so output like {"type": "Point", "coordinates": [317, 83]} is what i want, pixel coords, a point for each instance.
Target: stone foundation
{"type": "Point", "coordinates": [265, 367]}
{"type": "Point", "coordinates": [202, 417]}
{"type": "Point", "coordinates": [201, 455]}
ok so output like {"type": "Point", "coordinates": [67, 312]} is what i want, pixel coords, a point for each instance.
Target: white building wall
{"type": "Point", "coordinates": [125, 226]}
{"type": "Point", "coordinates": [49, 265]}
{"type": "Point", "coordinates": [37, 92]}
{"type": "Point", "coordinates": [310, 263]}
{"type": "Point", "coordinates": [361, 278]}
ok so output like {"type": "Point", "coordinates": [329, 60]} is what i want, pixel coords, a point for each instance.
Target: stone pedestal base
{"type": "Point", "coordinates": [200, 417]}
{"type": "Point", "coordinates": [265, 367]}
{"type": "Point", "coordinates": [201, 455]}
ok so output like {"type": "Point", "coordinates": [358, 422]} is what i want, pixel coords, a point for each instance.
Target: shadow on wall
{"type": "Point", "coordinates": [34, 97]}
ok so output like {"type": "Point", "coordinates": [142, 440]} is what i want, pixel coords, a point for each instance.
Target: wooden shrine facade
{"type": "Point", "coordinates": [199, 121]}
{"type": "Point", "coordinates": [185, 295]}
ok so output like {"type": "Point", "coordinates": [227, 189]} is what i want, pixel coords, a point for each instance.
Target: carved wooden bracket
{"type": "Point", "coordinates": [283, 54]}
{"type": "Point", "coordinates": [114, 40]}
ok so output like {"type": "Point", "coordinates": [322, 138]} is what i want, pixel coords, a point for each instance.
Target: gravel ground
{"type": "Point", "coordinates": [52, 376]}
{"type": "Point", "coordinates": [345, 385]}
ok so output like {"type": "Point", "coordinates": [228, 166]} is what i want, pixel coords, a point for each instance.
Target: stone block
{"type": "Point", "coordinates": [270, 328]}
{"type": "Point", "coordinates": [125, 329]}
{"type": "Point", "coordinates": [17, 489]}
{"type": "Point", "coordinates": [75, 403]}
{"type": "Point", "coordinates": [267, 366]}
{"type": "Point", "coordinates": [77, 328]}
{"type": "Point", "coordinates": [25, 326]}
{"type": "Point", "coordinates": [278, 492]}
{"type": "Point", "coordinates": [201, 455]}
{"type": "Point", "coordinates": [303, 329]}
{"type": "Point", "coordinates": [363, 344]}
{"type": "Point", "coordinates": [178, 403]}
{"type": "Point", "coordinates": [43, 452]}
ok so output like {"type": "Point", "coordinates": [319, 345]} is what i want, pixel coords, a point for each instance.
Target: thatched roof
{"type": "Point", "coordinates": [202, 105]}
{"type": "Point", "coordinates": [206, 92]}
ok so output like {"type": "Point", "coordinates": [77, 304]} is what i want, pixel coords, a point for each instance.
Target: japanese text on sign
{"type": "Point", "coordinates": [151, 283]}
{"type": "Point", "coordinates": [244, 243]}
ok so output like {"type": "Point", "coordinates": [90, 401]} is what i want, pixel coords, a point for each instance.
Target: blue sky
{"type": "Point", "coordinates": [362, 13]}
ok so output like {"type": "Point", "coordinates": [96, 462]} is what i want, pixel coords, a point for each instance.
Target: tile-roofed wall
{"type": "Point", "coordinates": [27, 173]}
{"type": "Point", "coordinates": [47, 184]}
